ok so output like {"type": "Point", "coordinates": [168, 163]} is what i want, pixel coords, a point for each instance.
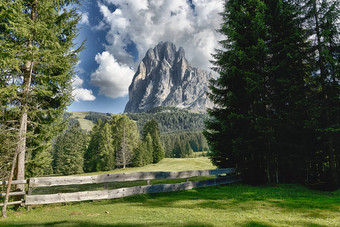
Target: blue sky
{"type": "Point", "coordinates": [119, 32]}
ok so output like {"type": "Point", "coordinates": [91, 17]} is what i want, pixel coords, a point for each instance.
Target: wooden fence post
{"type": "Point", "coordinates": [30, 190]}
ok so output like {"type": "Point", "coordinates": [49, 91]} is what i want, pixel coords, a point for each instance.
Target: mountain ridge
{"type": "Point", "coordinates": [165, 78]}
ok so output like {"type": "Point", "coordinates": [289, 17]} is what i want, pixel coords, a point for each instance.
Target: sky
{"type": "Point", "coordinates": [119, 32]}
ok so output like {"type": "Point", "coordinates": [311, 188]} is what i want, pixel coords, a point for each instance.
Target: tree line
{"type": "Point", "coordinates": [114, 143]}
{"type": "Point", "coordinates": [278, 96]}
{"type": "Point", "coordinates": [181, 130]}
{"type": "Point", "coordinates": [171, 119]}
{"type": "Point", "coordinates": [183, 144]}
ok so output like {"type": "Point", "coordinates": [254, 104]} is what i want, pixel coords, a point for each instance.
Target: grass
{"type": "Point", "coordinates": [84, 123]}
{"type": "Point", "coordinates": [168, 165]}
{"type": "Point", "coordinates": [229, 205]}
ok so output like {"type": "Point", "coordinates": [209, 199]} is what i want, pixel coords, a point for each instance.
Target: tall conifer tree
{"type": "Point", "coordinates": [36, 65]}
{"type": "Point", "coordinates": [258, 122]}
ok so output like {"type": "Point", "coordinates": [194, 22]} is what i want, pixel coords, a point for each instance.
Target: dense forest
{"type": "Point", "coordinates": [277, 114]}
{"type": "Point", "coordinates": [180, 129]}
{"type": "Point", "coordinates": [113, 143]}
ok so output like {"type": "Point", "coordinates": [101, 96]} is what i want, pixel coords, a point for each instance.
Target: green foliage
{"type": "Point", "coordinates": [323, 19]}
{"type": "Point", "coordinates": [261, 122]}
{"type": "Point", "coordinates": [37, 61]}
{"type": "Point", "coordinates": [170, 119]}
{"type": "Point", "coordinates": [125, 137]}
{"type": "Point", "coordinates": [90, 156]}
{"type": "Point", "coordinates": [151, 129]}
{"type": "Point", "coordinates": [112, 144]}
{"type": "Point", "coordinates": [69, 149]}
{"type": "Point", "coordinates": [95, 117]}
{"type": "Point", "coordinates": [188, 142]}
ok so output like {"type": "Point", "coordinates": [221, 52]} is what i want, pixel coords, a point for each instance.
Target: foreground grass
{"type": "Point", "coordinates": [230, 205]}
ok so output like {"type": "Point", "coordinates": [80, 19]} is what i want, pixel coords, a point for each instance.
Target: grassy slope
{"type": "Point", "coordinates": [168, 165]}
{"type": "Point", "coordinates": [84, 123]}
{"type": "Point", "coordinates": [230, 205]}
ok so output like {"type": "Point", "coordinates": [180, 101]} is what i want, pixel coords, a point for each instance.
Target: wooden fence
{"type": "Point", "coordinates": [230, 177]}
{"type": "Point", "coordinates": [18, 193]}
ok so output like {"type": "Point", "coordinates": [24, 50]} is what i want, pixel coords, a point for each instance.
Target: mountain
{"type": "Point", "coordinates": [165, 78]}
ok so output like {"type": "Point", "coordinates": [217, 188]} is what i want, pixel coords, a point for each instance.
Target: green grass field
{"type": "Point", "coordinates": [229, 205]}
{"type": "Point", "coordinates": [84, 123]}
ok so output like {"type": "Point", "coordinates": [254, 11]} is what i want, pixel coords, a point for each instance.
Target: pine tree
{"type": "Point", "coordinates": [231, 131]}
{"type": "Point", "coordinates": [90, 156]}
{"type": "Point", "coordinates": [323, 17]}
{"type": "Point", "coordinates": [125, 139]}
{"type": "Point", "coordinates": [258, 123]}
{"type": "Point", "coordinates": [286, 108]}
{"type": "Point", "coordinates": [38, 55]}
{"type": "Point", "coordinates": [105, 151]}
{"type": "Point", "coordinates": [147, 157]}
{"type": "Point", "coordinates": [69, 151]}
{"type": "Point", "coordinates": [140, 157]}
{"type": "Point", "coordinates": [151, 127]}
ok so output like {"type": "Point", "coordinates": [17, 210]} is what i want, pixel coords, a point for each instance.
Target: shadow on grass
{"type": "Point", "coordinates": [254, 224]}
{"type": "Point", "coordinates": [287, 197]}
{"type": "Point", "coordinates": [89, 224]}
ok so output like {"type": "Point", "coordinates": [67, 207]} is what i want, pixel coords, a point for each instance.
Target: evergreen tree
{"type": "Point", "coordinates": [125, 139]}
{"type": "Point", "coordinates": [90, 156]}
{"type": "Point", "coordinates": [151, 127]}
{"type": "Point", "coordinates": [105, 151]}
{"type": "Point", "coordinates": [258, 122]}
{"type": "Point", "coordinates": [231, 131]}
{"type": "Point", "coordinates": [69, 151]}
{"type": "Point", "coordinates": [323, 17]}
{"type": "Point", "coordinates": [140, 157]}
{"type": "Point", "coordinates": [148, 155]}
{"type": "Point", "coordinates": [38, 55]}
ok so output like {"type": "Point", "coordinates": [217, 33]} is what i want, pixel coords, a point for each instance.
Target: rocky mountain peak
{"type": "Point", "coordinates": [165, 78]}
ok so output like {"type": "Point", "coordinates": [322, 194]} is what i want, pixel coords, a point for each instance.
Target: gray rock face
{"type": "Point", "coordinates": [165, 78]}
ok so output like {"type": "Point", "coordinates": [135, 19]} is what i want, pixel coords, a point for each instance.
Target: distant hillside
{"type": "Point", "coordinates": [171, 119]}
{"type": "Point", "coordinates": [73, 117]}
{"type": "Point", "coordinates": [181, 129]}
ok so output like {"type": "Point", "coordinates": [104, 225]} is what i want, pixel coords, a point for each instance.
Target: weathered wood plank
{"type": "Point", "coordinates": [11, 203]}
{"type": "Point", "coordinates": [95, 179]}
{"type": "Point", "coordinates": [123, 192]}
{"type": "Point", "coordinates": [13, 193]}
{"type": "Point", "coordinates": [14, 182]}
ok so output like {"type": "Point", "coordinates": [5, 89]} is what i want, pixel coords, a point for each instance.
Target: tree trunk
{"type": "Point", "coordinates": [21, 150]}
{"type": "Point", "coordinates": [4, 208]}
{"type": "Point", "coordinates": [27, 72]}
{"type": "Point", "coordinates": [332, 163]}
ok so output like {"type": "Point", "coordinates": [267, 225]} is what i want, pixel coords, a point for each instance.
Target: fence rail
{"type": "Point", "coordinates": [121, 177]}
{"type": "Point", "coordinates": [231, 176]}
{"type": "Point", "coordinates": [22, 193]}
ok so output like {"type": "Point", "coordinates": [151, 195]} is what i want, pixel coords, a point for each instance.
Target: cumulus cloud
{"type": "Point", "coordinates": [146, 23]}
{"type": "Point", "coordinates": [79, 93]}
{"type": "Point", "coordinates": [112, 78]}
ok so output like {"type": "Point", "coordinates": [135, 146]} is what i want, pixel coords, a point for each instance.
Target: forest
{"type": "Point", "coordinates": [277, 114]}
{"type": "Point", "coordinates": [114, 143]}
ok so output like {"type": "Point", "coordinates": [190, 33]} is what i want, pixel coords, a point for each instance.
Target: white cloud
{"type": "Point", "coordinates": [112, 78]}
{"type": "Point", "coordinates": [84, 19]}
{"type": "Point", "coordinates": [146, 23]}
{"type": "Point", "coordinates": [79, 93]}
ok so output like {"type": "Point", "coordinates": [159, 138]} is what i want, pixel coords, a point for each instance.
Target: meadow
{"type": "Point", "coordinates": [228, 205]}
